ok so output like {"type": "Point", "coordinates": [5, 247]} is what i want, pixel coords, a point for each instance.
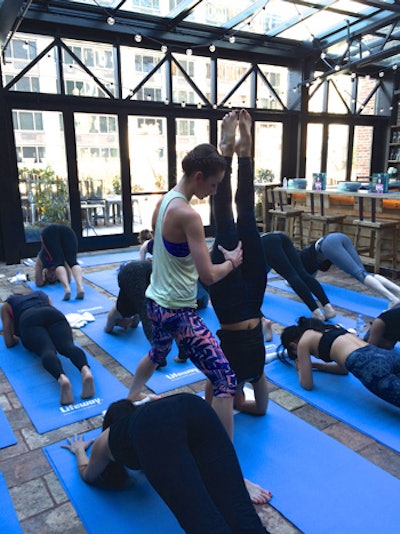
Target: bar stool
{"type": "Point", "coordinates": [317, 199]}
{"type": "Point", "coordinates": [280, 210]}
{"type": "Point", "coordinates": [374, 232]}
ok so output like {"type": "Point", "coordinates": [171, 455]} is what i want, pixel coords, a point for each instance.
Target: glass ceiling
{"type": "Point", "coordinates": [345, 32]}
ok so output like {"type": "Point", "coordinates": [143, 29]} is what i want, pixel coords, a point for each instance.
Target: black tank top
{"type": "Point", "coordinates": [326, 341]}
{"type": "Point", "coordinates": [20, 303]}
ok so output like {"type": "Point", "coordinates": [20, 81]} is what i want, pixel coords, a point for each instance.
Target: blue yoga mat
{"type": "Point", "coordinates": [318, 484]}
{"type": "Point", "coordinates": [347, 299]}
{"type": "Point", "coordinates": [7, 436]}
{"type": "Point", "coordinates": [94, 301]}
{"type": "Point", "coordinates": [346, 399]}
{"type": "Point", "coordinates": [135, 510]}
{"type": "Point", "coordinates": [107, 280]}
{"type": "Point", "coordinates": [39, 394]}
{"type": "Point", "coordinates": [129, 346]}
{"type": "Point", "coordinates": [9, 523]}
{"type": "Point", "coordinates": [286, 311]}
{"type": "Point", "coordinates": [90, 260]}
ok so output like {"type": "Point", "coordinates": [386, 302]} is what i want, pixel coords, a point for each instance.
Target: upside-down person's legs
{"type": "Point", "coordinates": [77, 274]}
{"type": "Point", "coordinates": [62, 277]}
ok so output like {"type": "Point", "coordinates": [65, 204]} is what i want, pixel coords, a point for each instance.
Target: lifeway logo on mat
{"type": "Point", "coordinates": [83, 405]}
{"type": "Point", "coordinates": [178, 376]}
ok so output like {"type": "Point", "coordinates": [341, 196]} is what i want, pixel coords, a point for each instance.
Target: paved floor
{"type": "Point", "coordinates": [41, 503]}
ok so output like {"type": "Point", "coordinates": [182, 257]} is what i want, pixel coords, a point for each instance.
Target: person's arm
{"type": "Point", "coordinates": [10, 339]}
{"type": "Point", "coordinates": [90, 468]}
{"type": "Point", "coordinates": [143, 251]}
{"type": "Point", "coordinates": [376, 332]}
{"type": "Point", "coordinates": [333, 368]}
{"type": "Point", "coordinates": [40, 273]}
{"type": "Point", "coordinates": [304, 367]}
{"type": "Point", "coordinates": [209, 273]}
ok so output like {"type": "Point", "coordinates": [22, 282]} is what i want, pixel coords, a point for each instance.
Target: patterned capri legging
{"type": "Point", "coordinates": [191, 334]}
{"type": "Point", "coordinates": [379, 370]}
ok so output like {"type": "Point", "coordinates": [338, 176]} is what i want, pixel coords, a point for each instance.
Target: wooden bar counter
{"type": "Point", "coordinates": [354, 205]}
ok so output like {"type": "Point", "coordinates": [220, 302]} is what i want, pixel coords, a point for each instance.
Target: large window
{"type": "Point", "coordinates": [336, 164]}
{"type": "Point", "coordinates": [148, 166]}
{"type": "Point", "coordinates": [313, 151]}
{"type": "Point", "coordinates": [42, 170]}
{"type": "Point", "coordinates": [99, 173]}
{"type": "Point", "coordinates": [192, 132]}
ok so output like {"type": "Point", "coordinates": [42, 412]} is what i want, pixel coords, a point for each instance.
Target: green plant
{"type": "Point", "coordinates": [48, 192]}
{"type": "Point", "coordinates": [264, 176]}
{"type": "Point", "coordinates": [116, 185]}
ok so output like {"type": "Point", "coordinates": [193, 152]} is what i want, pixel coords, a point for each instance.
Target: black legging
{"type": "Point", "coordinates": [238, 296]}
{"type": "Point", "coordinates": [59, 246]}
{"type": "Point", "coordinates": [187, 456]}
{"type": "Point", "coordinates": [281, 255]}
{"type": "Point", "coordinates": [133, 279]}
{"type": "Point", "coordinates": [45, 331]}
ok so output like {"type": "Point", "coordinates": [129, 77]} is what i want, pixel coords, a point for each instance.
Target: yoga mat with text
{"type": "Point", "coordinates": [39, 392]}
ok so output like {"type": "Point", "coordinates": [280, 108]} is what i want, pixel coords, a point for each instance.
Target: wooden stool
{"type": "Point", "coordinates": [280, 210]}
{"type": "Point", "coordinates": [315, 199]}
{"type": "Point", "coordinates": [375, 233]}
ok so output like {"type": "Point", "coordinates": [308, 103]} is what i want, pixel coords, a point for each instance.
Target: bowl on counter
{"type": "Point", "coordinates": [349, 186]}
{"type": "Point", "coordinates": [297, 183]}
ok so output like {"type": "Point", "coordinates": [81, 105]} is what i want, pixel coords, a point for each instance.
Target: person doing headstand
{"type": "Point", "coordinates": [44, 330]}
{"type": "Point", "coordinates": [181, 446]}
{"type": "Point", "coordinates": [238, 297]}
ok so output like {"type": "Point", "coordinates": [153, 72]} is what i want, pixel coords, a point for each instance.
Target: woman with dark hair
{"type": "Point", "coordinates": [181, 446]}
{"type": "Point", "coordinates": [281, 255]}
{"type": "Point", "coordinates": [341, 352]}
{"type": "Point", "coordinates": [44, 330]}
{"type": "Point", "coordinates": [57, 260]}
{"type": "Point", "coordinates": [385, 329]}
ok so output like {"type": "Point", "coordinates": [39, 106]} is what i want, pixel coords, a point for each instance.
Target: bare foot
{"type": "Point", "coordinates": [258, 495]}
{"type": "Point", "coordinates": [143, 397]}
{"type": "Point", "coordinates": [266, 328]}
{"type": "Point", "coordinates": [87, 383]}
{"type": "Point", "coordinates": [228, 130]}
{"type": "Point", "coordinates": [66, 396]}
{"type": "Point", "coordinates": [243, 144]}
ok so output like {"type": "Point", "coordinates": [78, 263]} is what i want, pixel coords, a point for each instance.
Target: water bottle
{"type": "Point", "coordinates": [359, 325]}
{"type": "Point", "coordinates": [284, 182]}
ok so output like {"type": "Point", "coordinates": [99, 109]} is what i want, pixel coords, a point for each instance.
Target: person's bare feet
{"type": "Point", "coordinates": [266, 325]}
{"type": "Point", "coordinates": [66, 396]}
{"type": "Point", "coordinates": [228, 132]}
{"type": "Point", "coordinates": [87, 383]}
{"type": "Point", "coordinates": [243, 144]}
{"type": "Point", "coordinates": [258, 495]}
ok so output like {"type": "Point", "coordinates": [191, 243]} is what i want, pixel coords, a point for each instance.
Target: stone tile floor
{"type": "Point", "coordinates": [40, 501]}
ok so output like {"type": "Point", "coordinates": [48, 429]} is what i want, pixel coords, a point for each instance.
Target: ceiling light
{"type": "Point", "coordinates": [138, 38]}
{"type": "Point", "coordinates": [232, 39]}
{"type": "Point", "coordinates": [164, 49]}
{"type": "Point", "coordinates": [111, 21]}
{"type": "Point", "coordinates": [211, 48]}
